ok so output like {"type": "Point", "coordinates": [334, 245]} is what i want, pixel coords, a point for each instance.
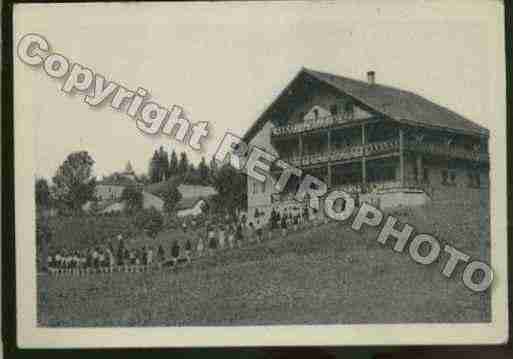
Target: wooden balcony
{"type": "Point", "coordinates": [449, 151]}
{"type": "Point", "coordinates": [321, 122]}
{"type": "Point", "coordinates": [348, 153]}
{"type": "Point", "coordinates": [386, 147]}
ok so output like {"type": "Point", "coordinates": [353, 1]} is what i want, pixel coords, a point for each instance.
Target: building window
{"type": "Point", "coordinates": [316, 113]}
{"type": "Point", "coordinates": [445, 176]}
{"type": "Point", "coordinates": [334, 109]}
{"type": "Point", "coordinates": [474, 179]}
{"type": "Point", "coordinates": [426, 175]}
{"type": "Point", "coordinates": [452, 176]}
{"type": "Point", "coordinates": [449, 177]}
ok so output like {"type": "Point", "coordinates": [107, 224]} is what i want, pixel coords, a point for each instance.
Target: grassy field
{"type": "Point", "coordinates": [324, 275]}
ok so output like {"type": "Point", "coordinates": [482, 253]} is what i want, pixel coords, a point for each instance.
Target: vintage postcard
{"type": "Point", "coordinates": [260, 173]}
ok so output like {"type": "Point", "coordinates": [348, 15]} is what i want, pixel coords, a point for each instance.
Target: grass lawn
{"type": "Point", "coordinates": [324, 275]}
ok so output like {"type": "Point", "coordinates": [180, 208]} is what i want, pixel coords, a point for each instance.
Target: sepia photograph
{"type": "Point", "coordinates": [260, 173]}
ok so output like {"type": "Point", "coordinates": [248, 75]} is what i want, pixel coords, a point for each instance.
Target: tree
{"type": "Point", "coordinates": [95, 207]}
{"type": "Point", "coordinates": [213, 170]}
{"type": "Point", "coordinates": [74, 182]}
{"type": "Point", "coordinates": [42, 193]}
{"type": "Point", "coordinates": [231, 187]}
{"type": "Point", "coordinates": [163, 165]}
{"type": "Point", "coordinates": [150, 220]}
{"type": "Point", "coordinates": [144, 179]}
{"type": "Point", "coordinates": [171, 199]}
{"type": "Point", "coordinates": [203, 171]}
{"type": "Point", "coordinates": [192, 169]}
{"type": "Point", "coordinates": [173, 164]}
{"type": "Point", "coordinates": [155, 222]}
{"type": "Point", "coordinates": [133, 198]}
{"type": "Point", "coordinates": [43, 238]}
{"type": "Point", "coordinates": [183, 165]}
{"type": "Point", "coordinates": [153, 171]}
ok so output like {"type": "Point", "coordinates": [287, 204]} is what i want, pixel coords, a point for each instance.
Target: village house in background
{"type": "Point", "coordinates": [109, 190]}
{"type": "Point", "coordinates": [391, 147]}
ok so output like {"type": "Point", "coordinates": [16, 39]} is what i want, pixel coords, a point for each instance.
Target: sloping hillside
{"type": "Point", "coordinates": [327, 274]}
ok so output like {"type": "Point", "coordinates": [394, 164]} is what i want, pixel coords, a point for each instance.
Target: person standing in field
{"type": "Point", "coordinates": [131, 256]}
{"type": "Point", "coordinates": [96, 259]}
{"type": "Point", "coordinates": [314, 216]}
{"type": "Point", "coordinates": [273, 218]}
{"type": "Point", "coordinates": [269, 234]}
{"type": "Point", "coordinates": [110, 259]}
{"type": "Point", "coordinates": [57, 260]}
{"type": "Point", "coordinates": [200, 247]}
{"type": "Point", "coordinates": [259, 232]}
{"type": "Point", "coordinates": [305, 216]}
{"type": "Point", "coordinates": [251, 232]}
{"type": "Point", "coordinates": [149, 256]}
{"type": "Point", "coordinates": [126, 257]}
{"type": "Point", "coordinates": [284, 225]}
{"type": "Point", "coordinates": [121, 251]}
{"type": "Point", "coordinates": [295, 220]}
{"type": "Point", "coordinates": [221, 236]}
{"type": "Point", "coordinates": [238, 235]}
{"type": "Point", "coordinates": [231, 235]}
{"type": "Point", "coordinates": [212, 243]}
{"type": "Point", "coordinates": [188, 249]}
{"type": "Point", "coordinates": [175, 252]}
{"type": "Point", "coordinates": [161, 255]}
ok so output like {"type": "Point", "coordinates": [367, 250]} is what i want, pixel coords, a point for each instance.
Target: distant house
{"type": "Point", "coordinates": [149, 200]}
{"type": "Point", "coordinates": [193, 196]}
{"type": "Point", "coordinates": [109, 191]}
{"type": "Point", "coordinates": [112, 187]}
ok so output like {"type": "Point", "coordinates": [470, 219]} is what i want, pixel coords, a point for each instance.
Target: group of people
{"type": "Point", "coordinates": [106, 256]}
{"type": "Point", "coordinates": [293, 218]}
{"type": "Point", "coordinates": [211, 236]}
{"type": "Point", "coordinates": [234, 233]}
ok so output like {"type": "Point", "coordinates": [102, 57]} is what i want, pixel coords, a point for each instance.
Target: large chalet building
{"type": "Point", "coordinates": [389, 146]}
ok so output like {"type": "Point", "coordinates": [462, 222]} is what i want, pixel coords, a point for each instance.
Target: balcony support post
{"type": "Point", "coordinates": [328, 180]}
{"type": "Point", "coordinates": [364, 159]}
{"type": "Point", "coordinates": [401, 157]}
{"type": "Point", "coordinates": [300, 142]}
{"type": "Point", "coordinates": [420, 169]}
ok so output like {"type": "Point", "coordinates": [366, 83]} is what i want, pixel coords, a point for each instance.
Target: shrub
{"type": "Point", "coordinates": [149, 220]}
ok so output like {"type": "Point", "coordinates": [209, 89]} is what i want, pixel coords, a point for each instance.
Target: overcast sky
{"type": "Point", "coordinates": [224, 63]}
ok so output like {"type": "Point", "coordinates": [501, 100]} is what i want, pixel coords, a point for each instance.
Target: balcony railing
{"type": "Point", "coordinates": [384, 147]}
{"type": "Point", "coordinates": [346, 153]}
{"type": "Point", "coordinates": [448, 151]}
{"type": "Point", "coordinates": [321, 122]}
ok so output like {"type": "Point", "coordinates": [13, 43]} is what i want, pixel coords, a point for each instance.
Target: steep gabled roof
{"type": "Point", "coordinates": [117, 181]}
{"type": "Point", "coordinates": [159, 189]}
{"type": "Point", "coordinates": [187, 190]}
{"type": "Point", "coordinates": [186, 203]}
{"type": "Point", "coordinates": [398, 105]}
